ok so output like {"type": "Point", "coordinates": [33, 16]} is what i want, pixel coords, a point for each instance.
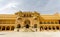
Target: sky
{"type": "Point", "coordinates": [41, 6]}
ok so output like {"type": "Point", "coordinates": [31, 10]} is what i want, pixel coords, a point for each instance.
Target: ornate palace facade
{"type": "Point", "coordinates": [29, 22]}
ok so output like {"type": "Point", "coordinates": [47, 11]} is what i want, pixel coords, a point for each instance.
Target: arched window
{"type": "Point", "coordinates": [52, 22]}
{"type": "Point", "coordinates": [41, 28]}
{"type": "Point", "coordinates": [49, 28]}
{"type": "Point", "coordinates": [19, 18]}
{"type": "Point", "coordinates": [30, 15]}
{"type": "Point", "coordinates": [18, 26]}
{"type": "Point", "coordinates": [35, 25]}
{"type": "Point", "coordinates": [45, 28]}
{"type": "Point", "coordinates": [44, 22]}
{"type": "Point", "coordinates": [56, 22]}
{"type": "Point", "coordinates": [24, 15]}
{"type": "Point", "coordinates": [57, 27]}
{"type": "Point", "coordinates": [53, 28]}
{"type": "Point", "coordinates": [7, 28]}
{"type": "Point", "coordinates": [0, 27]}
{"type": "Point", "coordinates": [59, 21]}
{"type": "Point", "coordinates": [35, 18]}
{"type": "Point", "coordinates": [3, 27]}
{"type": "Point", "coordinates": [27, 26]}
{"type": "Point", "coordinates": [48, 22]}
{"type": "Point", "coordinates": [12, 27]}
{"type": "Point", "coordinates": [41, 23]}
{"type": "Point", "coordinates": [27, 22]}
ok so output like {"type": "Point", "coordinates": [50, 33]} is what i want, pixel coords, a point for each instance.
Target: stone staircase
{"type": "Point", "coordinates": [28, 30]}
{"type": "Point", "coordinates": [25, 30]}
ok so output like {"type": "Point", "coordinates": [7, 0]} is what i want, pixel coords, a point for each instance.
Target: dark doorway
{"type": "Point", "coordinates": [7, 28]}
{"type": "Point", "coordinates": [12, 28]}
{"type": "Point", "coordinates": [35, 25]}
{"type": "Point", "coordinates": [49, 28]}
{"type": "Point", "coordinates": [59, 21]}
{"type": "Point", "coordinates": [45, 28]}
{"type": "Point", "coordinates": [0, 27]}
{"type": "Point", "coordinates": [3, 28]}
{"type": "Point", "coordinates": [27, 26]}
{"type": "Point", "coordinates": [41, 28]}
{"type": "Point", "coordinates": [27, 23]}
{"type": "Point", "coordinates": [18, 26]}
{"type": "Point", "coordinates": [53, 28]}
{"type": "Point", "coordinates": [57, 27]}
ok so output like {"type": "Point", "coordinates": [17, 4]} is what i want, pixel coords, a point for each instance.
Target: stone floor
{"type": "Point", "coordinates": [29, 34]}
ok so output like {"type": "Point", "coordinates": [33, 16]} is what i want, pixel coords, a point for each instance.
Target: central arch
{"type": "Point", "coordinates": [27, 23]}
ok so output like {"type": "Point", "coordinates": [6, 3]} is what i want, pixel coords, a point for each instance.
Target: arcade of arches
{"type": "Point", "coordinates": [6, 28]}
{"type": "Point", "coordinates": [29, 22]}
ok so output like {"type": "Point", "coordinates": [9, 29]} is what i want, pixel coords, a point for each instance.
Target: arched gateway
{"type": "Point", "coordinates": [27, 23]}
{"type": "Point", "coordinates": [25, 20]}
{"type": "Point", "coordinates": [33, 21]}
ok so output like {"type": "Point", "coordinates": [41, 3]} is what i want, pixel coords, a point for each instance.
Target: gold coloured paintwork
{"type": "Point", "coordinates": [29, 22]}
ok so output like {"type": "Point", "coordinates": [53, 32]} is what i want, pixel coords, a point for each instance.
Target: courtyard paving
{"type": "Point", "coordinates": [29, 34]}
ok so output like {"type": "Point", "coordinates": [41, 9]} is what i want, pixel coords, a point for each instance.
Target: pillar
{"type": "Point", "coordinates": [10, 28]}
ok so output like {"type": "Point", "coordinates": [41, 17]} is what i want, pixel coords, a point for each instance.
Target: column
{"type": "Point", "coordinates": [5, 28]}
{"type": "Point", "coordinates": [1, 28]}
{"type": "Point", "coordinates": [10, 28]}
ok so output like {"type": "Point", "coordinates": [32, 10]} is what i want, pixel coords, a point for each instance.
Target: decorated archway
{"type": "Point", "coordinates": [27, 23]}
